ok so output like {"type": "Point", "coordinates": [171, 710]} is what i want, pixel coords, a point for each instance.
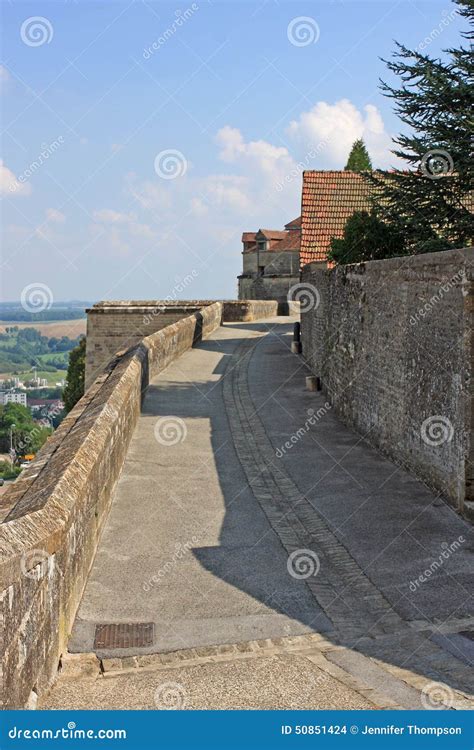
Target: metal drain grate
{"type": "Point", "coordinates": [124, 635]}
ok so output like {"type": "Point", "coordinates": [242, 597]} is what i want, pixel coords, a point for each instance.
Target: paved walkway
{"type": "Point", "coordinates": [245, 512]}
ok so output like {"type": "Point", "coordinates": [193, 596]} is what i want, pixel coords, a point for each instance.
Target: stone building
{"type": "Point", "coordinates": [271, 262]}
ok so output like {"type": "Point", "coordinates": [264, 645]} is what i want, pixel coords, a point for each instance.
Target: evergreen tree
{"type": "Point", "coordinates": [366, 237]}
{"type": "Point", "coordinates": [359, 159]}
{"type": "Point", "coordinates": [429, 204]}
{"type": "Point", "coordinates": [76, 370]}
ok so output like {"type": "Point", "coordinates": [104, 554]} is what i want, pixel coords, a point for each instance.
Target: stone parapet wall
{"type": "Point", "coordinates": [115, 326]}
{"type": "Point", "coordinates": [248, 310]}
{"type": "Point", "coordinates": [49, 538]}
{"type": "Point", "coordinates": [391, 341]}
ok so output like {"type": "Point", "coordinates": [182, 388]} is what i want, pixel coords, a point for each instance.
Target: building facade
{"type": "Point", "coordinates": [8, 397]}
{"type": "Point", "coordinates": [271, 262]}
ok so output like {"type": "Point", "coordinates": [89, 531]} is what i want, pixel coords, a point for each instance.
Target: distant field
{"type": "Point", "coordinates": [53, 328]}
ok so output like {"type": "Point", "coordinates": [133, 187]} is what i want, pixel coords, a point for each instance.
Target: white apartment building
{"type": "Point", "coordinates": [7, 397]}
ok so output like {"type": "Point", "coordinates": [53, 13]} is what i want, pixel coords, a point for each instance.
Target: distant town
{"type": "Point", "coordinates": [34, 357]}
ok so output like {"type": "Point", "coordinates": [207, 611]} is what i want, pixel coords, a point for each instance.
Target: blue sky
{"type": "Point", "coordinates": [141, 138]}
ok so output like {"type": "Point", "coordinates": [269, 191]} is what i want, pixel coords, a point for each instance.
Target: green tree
{"type": "Point", "coordinates": [435, 100]}
{"type": "Point", "coordinates": [366, 237]}
{"type": "Point", "coordinates": [74, 389]}
{"type": "Point", "coordinates": [359, 159]}
{"type": "Point", "coordinates": [27, 435]}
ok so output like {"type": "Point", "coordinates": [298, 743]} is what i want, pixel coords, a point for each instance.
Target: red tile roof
{"type": "Point", "coordinates": [272, 234]}
{"type": "Point", "coordinates": [290, 242]}
{"type": "Point", "coordinates": [328, 200]}
{"type": "Point", "coordinates": [295, 224]}
{"type": "Point", "coordinates": [278, 241]}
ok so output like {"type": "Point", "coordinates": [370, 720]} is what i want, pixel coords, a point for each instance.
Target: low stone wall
{"type": "Point", "coordinates": [391, 341]}
{"type": "Point", "coordinates": [114, 326]}
{"type": "Point", "coordinates": [49, 538]}
{"type": "Point", "coordinates": [248, 310]}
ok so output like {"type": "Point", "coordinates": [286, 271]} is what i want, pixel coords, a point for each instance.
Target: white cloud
{"type": "Point", "coordinates": [259, 185]}
{"type": "Point", "coordinates": [55, 216]}
{"type": "Point", "coordinates": [109, 216]}
{"type": "Point", "coordinates": [269, 160]}
{"type": "Point", "coordinates": [119, 228]}
{"type": "Point", "coordinates": [333, 128]}
{"type": "Point", "coordinates": [10, 185]}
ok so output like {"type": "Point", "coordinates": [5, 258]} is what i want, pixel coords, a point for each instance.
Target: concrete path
{"type": "Point", "coordinates": [246, 511]}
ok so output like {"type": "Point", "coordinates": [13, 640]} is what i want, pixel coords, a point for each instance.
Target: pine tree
{"type": "Point", "coordinates": [359, 159]}
{"type": "Point", "coordinates": [366, 237]}
{"type": "Point", "coordinates": [74, 389]}
{"type": "Point", "coordinates": [429, 204]}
